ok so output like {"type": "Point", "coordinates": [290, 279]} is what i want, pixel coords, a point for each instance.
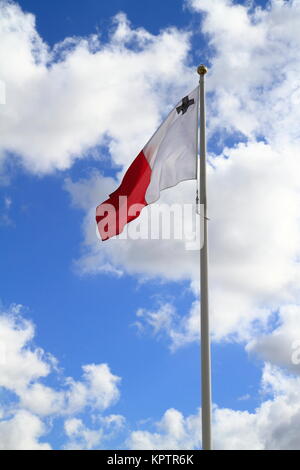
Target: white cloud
{"type": "Point", "coordinates": [116, 420]}
{"type": "Point", "coordinates": [23, 369]}
{"type": "Point", "coordinates": [254, 236]}
{"type": "Point", "coordinates": [180, 330]}
{"type": "Point", "coordinates": [62, 102]}
{"type": "Point", "coordinates": [19, 365]}
{"type": "Point", "coordinates": [281, 345]}
{"type": "Point", "coordinates": [99, 388]}
{"type": "Point", "coordinates": [254, 68]}
{"type": "Point", "coordinates": [81, 437]}
{"type": "Point", "coordinates": [22, 432]}
{"type": "Point", "coordinates": [173, 432]}
{"type": "Point", "coordinates": [273, 425]}
{"type": "Point", "coordinates": [158, 320]}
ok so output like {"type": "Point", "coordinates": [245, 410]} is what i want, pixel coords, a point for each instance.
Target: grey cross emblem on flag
{"type": "Point", "coordinates": [186, 103]}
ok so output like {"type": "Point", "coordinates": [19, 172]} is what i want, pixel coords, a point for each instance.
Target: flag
{"type": "Point", "coordinates": [168, 158]}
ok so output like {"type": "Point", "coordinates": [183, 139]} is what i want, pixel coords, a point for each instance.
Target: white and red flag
{"type": "Point", "coordinates": [168, 158]}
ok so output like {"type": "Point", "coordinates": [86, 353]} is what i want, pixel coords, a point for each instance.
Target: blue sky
{"type": "Point", "coordinates": [68, 302]}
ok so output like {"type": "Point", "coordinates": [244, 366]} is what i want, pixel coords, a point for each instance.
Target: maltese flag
{"type": "Point", "coordinates": [167, 159]}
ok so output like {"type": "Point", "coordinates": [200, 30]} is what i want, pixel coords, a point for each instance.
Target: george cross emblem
{"type": "Point", "coordinates": [186, 103]}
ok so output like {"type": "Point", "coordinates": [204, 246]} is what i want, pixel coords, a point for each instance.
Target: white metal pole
{"type": "Point", "coordinates": [205, 333]}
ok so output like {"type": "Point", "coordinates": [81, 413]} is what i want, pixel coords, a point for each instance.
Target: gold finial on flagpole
{"type": "Point", "coordinates": [202, 70]}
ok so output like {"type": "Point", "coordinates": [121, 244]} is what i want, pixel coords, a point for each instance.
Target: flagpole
{"type": "Point", "coordinates": [204, 316]}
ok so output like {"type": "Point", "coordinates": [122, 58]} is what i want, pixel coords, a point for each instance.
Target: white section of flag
{"type": "Point", "coordinates": [171, 151]}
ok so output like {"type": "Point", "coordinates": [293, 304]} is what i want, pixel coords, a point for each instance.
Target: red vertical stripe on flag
{"type": "Point", "coordinates": [126, 203]}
